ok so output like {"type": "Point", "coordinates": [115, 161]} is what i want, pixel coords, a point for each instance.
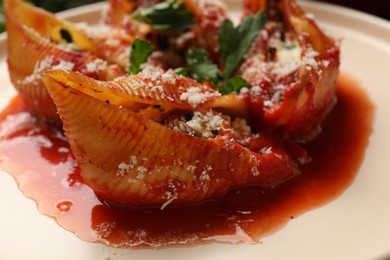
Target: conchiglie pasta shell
{"type": "Point", "coordinates": [129, 159]}
{"type": "Point", "coordinates": [312, 94]}
{"type": "Point", "coordinates": [29, 53]}
{"type": "Point", "coordinates": [309, 99]}
{"type": "Point", "coordinates": [45, 23]}
{"type": "Point", "coordinates": [25, 50]}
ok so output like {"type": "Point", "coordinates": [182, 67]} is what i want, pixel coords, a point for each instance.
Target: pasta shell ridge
{"type": "Point", "coordinates": [161, 88]}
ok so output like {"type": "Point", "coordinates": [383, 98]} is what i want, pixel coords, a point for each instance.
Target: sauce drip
{"type": "Point", "coordinates": [243, 216]}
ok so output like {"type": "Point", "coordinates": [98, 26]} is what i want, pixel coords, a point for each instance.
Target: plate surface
{"type": "Point", "coordinates": [355, 226]}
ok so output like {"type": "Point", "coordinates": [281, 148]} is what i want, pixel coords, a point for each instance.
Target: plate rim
{"type": "Point", "coordinates": [326, 7]}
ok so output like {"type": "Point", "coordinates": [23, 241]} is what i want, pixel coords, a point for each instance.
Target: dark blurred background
{"type": "Point", "coordinates": [375, 7]}
{"type": "Point", "coordinates": [379, 8]}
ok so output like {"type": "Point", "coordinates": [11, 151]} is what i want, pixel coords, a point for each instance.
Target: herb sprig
{"type": "Point", "coordinates": [200, 66]}
{"type": "Point", "coordinates": [168, 15]}
{"type": "Point", "coordinates": [234, 43]}
{"type": "Point", "coordinates": [233, 85]}
{"type": "Point", "coordinates": [139, 54]}
{"type": "Point", "coordinates": [2, 17]}
{"type": "Point", "coordinates": [202, 69]}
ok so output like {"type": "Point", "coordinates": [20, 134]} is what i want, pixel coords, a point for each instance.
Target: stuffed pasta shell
{"type": "Point", "coordinates": [293, 66]}
{"type": "Point", "coordinates": [38, 41]}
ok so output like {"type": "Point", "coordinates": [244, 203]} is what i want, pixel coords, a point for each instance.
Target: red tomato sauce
{"type": "Point", "coordinates": [38, 156]}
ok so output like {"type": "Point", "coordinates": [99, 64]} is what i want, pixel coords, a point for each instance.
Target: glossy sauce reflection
{"type": "Point", "coordinates": [38, 156]}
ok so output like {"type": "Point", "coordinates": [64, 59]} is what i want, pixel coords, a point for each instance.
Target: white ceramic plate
{"type": "Point", "coordinates": [355, 226]}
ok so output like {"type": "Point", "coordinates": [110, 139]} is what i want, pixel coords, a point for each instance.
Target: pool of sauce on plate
{"type": "Point", "coordinates": [39, 158]}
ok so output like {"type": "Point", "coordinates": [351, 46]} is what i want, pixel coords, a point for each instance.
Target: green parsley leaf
{"type": "Point", "coordinates": [202, 69]}
{"type": "Point", "coordinates": [200, 66]}
{"type": "Point", "coordinates": [233, 85]}
{"type": "Point", "coordinates": [139, 54]}
{"type": "Point", "coordinates": [2, 18]}
{"type": "Point", "coordinates": [234, 43]}
{"type": "Point", "coordinates": [181, 71]}
{"type": "Point", "coordinates": [168, 15]}
{"type": "Point", "coordinates": [226, 39]}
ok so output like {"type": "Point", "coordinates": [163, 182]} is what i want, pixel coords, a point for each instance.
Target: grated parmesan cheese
{"type": "Point", "coordinates": [96, 31]}
{"type": "Point", "coordinates": [191, 168]}
{"type": "Point", "coordinates": [45, 64]}
{"type": "Point", "coordinates": [326, 63]}
{"type": "Point", "coordinates": [204, 124]}
{"type": "Point", "coordinates": [96, 65]}
{"type": "Point", "coordinates": [64, 65]}
{"type": "Point", "coordinates": [169, 77]}
{"type": "Point", "coordinates": [124, 168]}
{"type": "Point", "coordinates": [255, 171]}
{"type": "Point", "coordinates": [112, 42]}
{"type": "Point", "coordinates": [309, 59]}
{"type": "Point", "coordinates": [194, 96]}
{"type": "Point", "coordinates": [170, 196]}
{"type": "Point", "coordinates": [266, 150]}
